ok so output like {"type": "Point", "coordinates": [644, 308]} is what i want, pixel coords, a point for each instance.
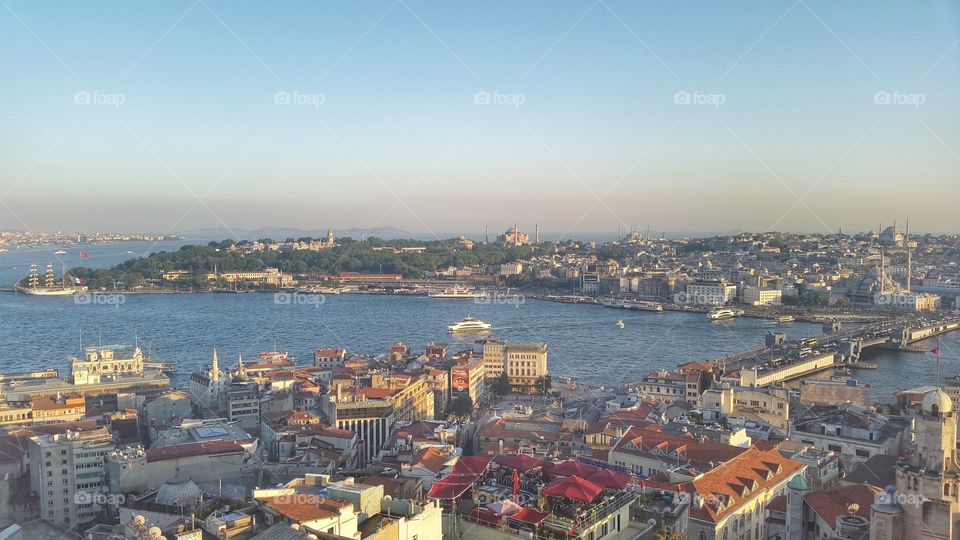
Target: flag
{"type": "Point", "coordinates": [935, 350]}
{"type": "Point", "coordinates": [516, 486]}
{"type": "Point", "coordinates": [84, 255]}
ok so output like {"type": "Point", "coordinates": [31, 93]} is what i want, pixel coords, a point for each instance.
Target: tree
{"type": "Point", "coordinates": [662, 534]}
{"type": "Point", "coordinates": [460, 407]}
{"type": "Point", "coordinates": [544, 384]}
{"type": "Point", "coordinates": [502, 385]}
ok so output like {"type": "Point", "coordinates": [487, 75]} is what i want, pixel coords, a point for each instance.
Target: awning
{"type": "Point", "coordinates": [572, 468]}
{"type": "Point", "coordinates": [573, 488]}
{"type": "Point", "coordinates": [448, 489]}
{"type": "Point", "coordinates": [519, 462]}
{"type": "Point", "coordinates": [529, 515]}
{"type": "Point", "coordinates": [610, 479]}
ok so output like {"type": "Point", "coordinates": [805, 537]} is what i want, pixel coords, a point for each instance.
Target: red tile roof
{"type": "Point", "coordinates": [728, 486]}
{"type": "Point", "coordinates": [833, 503]}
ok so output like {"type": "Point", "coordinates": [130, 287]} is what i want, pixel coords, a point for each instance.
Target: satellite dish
{"type": "Point", "coordinates": [853, 508]}
{"type": "Point", "coordinates": [652, 522]}
{"type": "Point", "coordinates": [154, 532]}
{"type": "Point", "coordinates": [139, 520]}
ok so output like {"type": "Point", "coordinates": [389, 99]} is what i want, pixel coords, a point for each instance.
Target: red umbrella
{"type": "Point", "coordinates": [519, 462]}
{"type": "Point", "coordinates": [573, 468]}
{"type": "Point", "coordinates": [573, 488]}
{"type": "Point", "coordinates": [610, 479]}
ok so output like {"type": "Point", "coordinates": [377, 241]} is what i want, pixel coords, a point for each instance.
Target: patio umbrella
{"type": "Point", "coordinates": [573, 488]}
{"type": "Point", "coordinates": [610, 479]}
{"type": "Point", "coordinates": [519, 462]}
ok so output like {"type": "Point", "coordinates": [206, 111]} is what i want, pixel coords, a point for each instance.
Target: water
{"type": "Point", "coordinates": [583, 339]}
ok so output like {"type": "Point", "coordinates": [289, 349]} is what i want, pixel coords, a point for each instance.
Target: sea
{"type": "Point", "coordinates": [584, 342]}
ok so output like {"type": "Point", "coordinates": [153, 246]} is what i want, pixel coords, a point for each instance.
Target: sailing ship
{"type": "Point", "coordinates": [51, 286]}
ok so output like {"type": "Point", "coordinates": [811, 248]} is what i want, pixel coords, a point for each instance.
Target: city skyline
{"type": "Point", "coordinates": [579, 116]}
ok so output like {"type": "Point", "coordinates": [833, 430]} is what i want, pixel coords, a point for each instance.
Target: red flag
{"type": "Point", "coordinates": [935, 350]}
{"type": "Point", "coordinates": [516, 486]}
{"type": "Point", "coordinates": [83, 255]}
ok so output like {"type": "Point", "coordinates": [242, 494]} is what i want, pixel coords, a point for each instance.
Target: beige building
{"type": "Point", "coordinates": [524, 364]}
{"type": "Point", "coordinates": [101, 361]}
{"type": "Point", "coordinates": [755, 296]}
{"type": "Point", "coordinates": [926, 503]}
{"type": "Point", "coordinates": [767, 405]}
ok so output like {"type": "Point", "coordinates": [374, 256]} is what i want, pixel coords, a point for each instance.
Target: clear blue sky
{"type": "Point", "coordinates": [598, 140]}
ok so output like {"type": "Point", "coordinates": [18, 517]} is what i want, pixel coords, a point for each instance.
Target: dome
{"type": "Point", "coordinates": [939, 399]}
{"type": "Point", "coordinates": [799, 483]}
{"type": "Point", "coordinates": [177, 492]}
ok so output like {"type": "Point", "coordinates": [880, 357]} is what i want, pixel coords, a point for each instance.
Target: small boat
{"type": "Point", "coordinates": [166, 367]}
{"type": "Point", "coordinates": [620, 324]}
{"type": "Point", "coordinates": [469, 324]}
{"type": "Point", "coordinates": [786, 318]}
{"type": "Point", "coordinates": [129, 252]}
{"type": "Point", "coordinates": [59, 252]}
{"type": "Point", "coordinates": [721, 314]}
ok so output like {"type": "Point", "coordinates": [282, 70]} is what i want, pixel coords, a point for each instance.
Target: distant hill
{"type": "Point", "coordinates": [280, 233]}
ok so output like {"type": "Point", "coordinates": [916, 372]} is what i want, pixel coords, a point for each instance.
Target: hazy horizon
{"type": "Point", "coordinates": [801, 116]}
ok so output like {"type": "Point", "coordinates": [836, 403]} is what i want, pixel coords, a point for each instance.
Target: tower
{"type": "Point", "coordinates": [928, 487]}
{"type": "Point", "coordinates": [536, 229]}
{"type": "Point", "coordinates": [241, 370]}
{"type": "Point", "coordinates": [906, 243]}
{"type": "Point", "coordinates": [214, 366]}
{"type": "Point", "coordinates": [797, 489]}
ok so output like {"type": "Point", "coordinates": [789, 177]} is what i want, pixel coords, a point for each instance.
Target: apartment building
{"type": "Point", "coordinates": [67, 472]}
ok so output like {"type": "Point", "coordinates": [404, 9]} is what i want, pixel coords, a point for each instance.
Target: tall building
{"type": "Point", "coordinates": [926, 503]}
{"type": "Point", "coordinates": [67, 473]}
{"type": "Point", "coordinates": [368, 412]}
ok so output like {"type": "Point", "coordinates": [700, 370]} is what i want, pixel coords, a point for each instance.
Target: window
{"type": "Point", "coordinates": [863, 453]}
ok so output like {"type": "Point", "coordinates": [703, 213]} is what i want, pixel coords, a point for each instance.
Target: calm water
{"type": "Point", "coordinates": [584, 343]}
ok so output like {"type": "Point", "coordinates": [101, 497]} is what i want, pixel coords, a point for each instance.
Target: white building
{"type": "Point", "coordinates": [756, 296]}
{"type": "Point", "coordinates": [68, 474]}
{"type": "Point", "coordinates": [711, 293]}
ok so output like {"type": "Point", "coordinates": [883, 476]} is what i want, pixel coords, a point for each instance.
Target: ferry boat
{"type": "Point", "coordinates": [786, 318]}
{"type": "Point", "coordinates": [59, 252]}
{"type": "Point", "coordinates": [469, 324]}
{"type": "Point", "coordinates": [639, 305]}
{"type": "Point", "coordinates": [458, 292]}
{"type": "Point", "coordinates": [50, 287]}
{"type": "Point", "coordinates": [276, 357]}
{"type": "Point", "coordinates": [721, 314]}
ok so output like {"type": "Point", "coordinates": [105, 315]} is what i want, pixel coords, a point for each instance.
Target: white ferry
{"type": "Point", "coordinates": [638, 305]}
{"type": "Point", "coordinates": [721, 314]}
{"type": "Point", "coordinates": [786, 318]}
{"type": "Point", "coordinates": [458, 292]}
{"type": "Point", "coordinates": [469, 324]}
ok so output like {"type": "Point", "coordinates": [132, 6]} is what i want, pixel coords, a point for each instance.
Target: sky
{"type": "Point", "coordinates": [446, 117]}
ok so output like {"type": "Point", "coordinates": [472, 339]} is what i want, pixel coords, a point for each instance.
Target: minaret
{"type": "Point", "coordinates": [330, 237]}
{"type": "Point", "coordinates": [537, 233]}
{"type": "Point", "coordinates": [241, 371]}
{"type": "Point", "coordinates": [882, 290]}
{"type": "Point", "coordinates": [906, 243]}
{"type": "Point", "coordinates": [215, 366]}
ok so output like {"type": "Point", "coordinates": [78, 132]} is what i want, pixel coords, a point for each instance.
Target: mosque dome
{"type": "Point", "coordinates": [177, 492]}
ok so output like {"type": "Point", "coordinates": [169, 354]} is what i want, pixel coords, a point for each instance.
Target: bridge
{"type": "Point", "coordinates": [781, 360]}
